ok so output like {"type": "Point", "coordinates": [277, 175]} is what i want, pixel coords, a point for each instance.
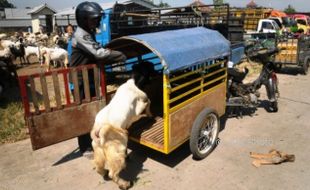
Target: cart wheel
{"type": "Point", "coordinates": [305, 67]}
{"type": "Point", "coordinates": [204, 134]}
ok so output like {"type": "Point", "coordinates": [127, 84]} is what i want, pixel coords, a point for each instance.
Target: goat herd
{"type": "Point", "coordinates": [47, 49]}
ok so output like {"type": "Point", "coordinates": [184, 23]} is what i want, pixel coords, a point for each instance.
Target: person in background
{"type": "Point", "coordinates": [69, 34]}
{"type": "Point", "coordinates": [69, 30]}
{"type": "Point", "coordinates": [85, 50]}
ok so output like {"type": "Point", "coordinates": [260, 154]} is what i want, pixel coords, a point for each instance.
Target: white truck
{"type": "Point", "coordinates": [265, 26]}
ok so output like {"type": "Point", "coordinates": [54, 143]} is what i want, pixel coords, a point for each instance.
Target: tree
{"type": "Point", "coordinates": [290, 9]}
{"type": "Point", "coordinates": [218, 2]}
{"type": "Point", "coordinates": [6, 4]}
{"type": "Point", "coordinates": [251, 5]}
{"type": "Point", "coordinates": [163, 5]}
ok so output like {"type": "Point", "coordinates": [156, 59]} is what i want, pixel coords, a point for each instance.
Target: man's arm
{"type": "Point", "coordinates": [89, 46]}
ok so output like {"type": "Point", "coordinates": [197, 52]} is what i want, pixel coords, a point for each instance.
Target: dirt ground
{"type": "Point", "coordinates": [228, 167]}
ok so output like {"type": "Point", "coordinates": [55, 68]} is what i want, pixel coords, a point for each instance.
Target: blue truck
{"type": "Point", "coordinates": [121, 21]}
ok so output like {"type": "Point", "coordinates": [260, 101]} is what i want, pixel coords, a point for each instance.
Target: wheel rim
{"type": "Point", "coordinates": [207, 135]}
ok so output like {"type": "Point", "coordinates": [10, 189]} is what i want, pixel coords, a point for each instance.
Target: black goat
{"type": "Point", "coordinates": [19, 52]}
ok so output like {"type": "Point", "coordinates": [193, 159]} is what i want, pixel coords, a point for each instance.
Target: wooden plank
{"type": "Point", "coordinates": [50, 128]}
{"type": "Point", "coordinates": [23, 90]}
{"type": "Point", "coordinates": [66, 85]}
{"type": "Point", "coordinates": [97, 82]}
{"type": "Point", "coordinates": [45, 93]}
{"type": "Point", "coordinates": [181, 121]}
{"type": "Point", "coordinates": [86, 84]}
{"type": "Point", "coordinates": [77, 98]}
{"type": "Point", "coordinates": [103, 83]}
{"type": "Point", "coordinates": [148, 132]}
{"type": "Point", "coordinates": [34, 95]}
{"type": "Point", "coordinates": [57, 90]}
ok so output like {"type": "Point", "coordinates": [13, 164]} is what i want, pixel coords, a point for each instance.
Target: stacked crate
{"type": "Point", "coordinates": [287, 51]}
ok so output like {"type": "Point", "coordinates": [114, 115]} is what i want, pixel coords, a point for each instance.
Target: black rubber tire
{"type": "Point", "coordinates": [274, 106]}
{"type": "Point", "coordinates": [1, 89]}
{"type": "Point", "coordinates": [207, 118]}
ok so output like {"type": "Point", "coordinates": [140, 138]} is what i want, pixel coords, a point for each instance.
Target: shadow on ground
{"type": "Point", "coordinates": [290, 70]}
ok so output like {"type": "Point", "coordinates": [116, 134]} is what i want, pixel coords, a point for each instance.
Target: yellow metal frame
{"type": "Point", "coordinates": [166, 96]}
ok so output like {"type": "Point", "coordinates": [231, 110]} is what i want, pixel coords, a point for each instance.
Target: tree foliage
{"type": "Point", "coordinates": [163, 5]}
{"type": "Point", "coordinates": [218, 2]}
{"type": "Point", "coordinates": [6, 4]}
{"type": "Point", "coordinates": [290, 9]}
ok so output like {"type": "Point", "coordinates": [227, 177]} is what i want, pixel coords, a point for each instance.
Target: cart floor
{"type": "Point", "coordinates": [148, 131]}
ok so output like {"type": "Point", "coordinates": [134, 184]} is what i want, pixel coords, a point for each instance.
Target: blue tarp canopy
{"type": "Point", "coordinates": [177, 49]}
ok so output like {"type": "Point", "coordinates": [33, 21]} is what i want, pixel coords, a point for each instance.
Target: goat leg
{"type": "Point", "coordinates": [122, 184]}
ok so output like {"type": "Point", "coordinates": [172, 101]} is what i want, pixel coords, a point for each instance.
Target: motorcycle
{"type": "Point", "coordinates": [240, 95]}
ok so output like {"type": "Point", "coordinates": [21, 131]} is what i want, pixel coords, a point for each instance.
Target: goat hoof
{"type": "Point", "coordinates": [124, 185]}
{"type": "Point", "coordinates": [106, 175]}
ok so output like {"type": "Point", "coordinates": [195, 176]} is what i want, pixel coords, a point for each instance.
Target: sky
{"type": "Point", "coordinates": [299, 5]}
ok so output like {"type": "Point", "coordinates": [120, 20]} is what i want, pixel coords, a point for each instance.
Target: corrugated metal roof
{"type": "Point", "coordinates": [12, 13]}
{"type": "Point", "coordinates": [177, 49]}
{"type": "Point", "coordinates": [41, 7]}
{"type": "Point", "coordinates": [105, 6]}
{"type": "Point", "coordinates": [67, 11]}
{"type": "Point", "coordinates": [15, 23]}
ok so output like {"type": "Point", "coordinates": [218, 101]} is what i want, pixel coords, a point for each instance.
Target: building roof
{"type": "Point", "coordinates": [105, 6]}
{"type": "Point", "coordinates": [37, 9]}
{"type": "Point", "coordinates": [12, 13]}
{"type": "Point", "coordinates": [15, 23]}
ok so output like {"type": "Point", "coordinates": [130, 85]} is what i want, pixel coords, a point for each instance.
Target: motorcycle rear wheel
{"type": "Point", "coordinates": [274, 106]}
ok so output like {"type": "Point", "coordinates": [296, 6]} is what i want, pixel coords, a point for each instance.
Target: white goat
{"type": "Point", "coordinates": [2, 36]}
{"type": "Point", "coordinates": [5, 53]}
{"type": "Point", "coordinates": [7, 43]}
{"type": "Point", "coordinates": [129, 102]}
{"type": "Point", "coordinates": [55, 55]}
{"type": "Point", "coordinates": [109, 134]}
{"type": "Point", "coordinates": [31, 50]}
{"type": "Point", "coordinates": [126, 106]}
{"type": "Point", "coordinates": [55, 39]}
{"type": "Point", "coordinates": [42, 37]}
{"type": "Point", "coordinates": [30, 38]}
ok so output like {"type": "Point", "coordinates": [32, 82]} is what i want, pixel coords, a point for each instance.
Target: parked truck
{"type": "Point", "coordinates": [303, 22]}
{"type": "Point", "coordinates": [121, 21]}
{"type": "Point", "coordinates": [257, 20]}
{"type": "Point", "coordinates": [266, 26]}
{"type": "Point", "coordinates": [251, 16]}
